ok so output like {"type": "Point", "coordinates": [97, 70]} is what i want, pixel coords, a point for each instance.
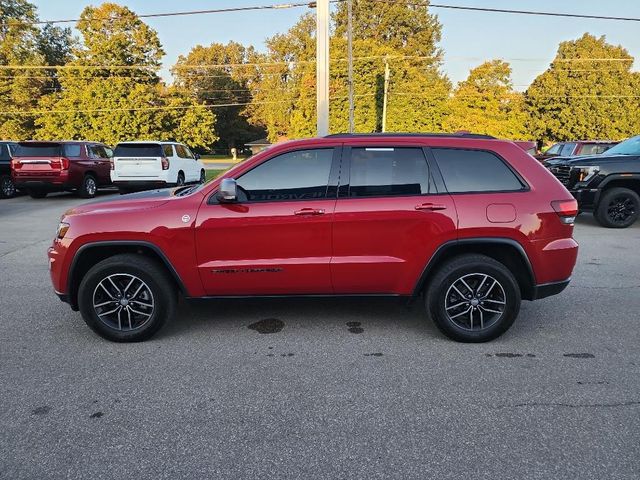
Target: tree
{"type": "Point", "coordinates": [486, 103]}
{"type": "Point", "coordinates": [112, 104]}
{"type": "Point", "coordinates": [20, 88]}
{"type": "Point", "coordinates": [588, 91]}
{"type": "Point", "coordinates": [227, 84]}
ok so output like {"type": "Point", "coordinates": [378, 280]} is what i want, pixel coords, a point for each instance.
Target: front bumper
{"type": "Point", "coordinates": [587, 198]}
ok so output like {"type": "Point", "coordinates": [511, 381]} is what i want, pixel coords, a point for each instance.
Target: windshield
{"type": "Point", "coordinates": [138, 150]}
{"type": "Point", "coordinates": [628, 147]}
{"type": "Point", "coordinates": [37, 150]}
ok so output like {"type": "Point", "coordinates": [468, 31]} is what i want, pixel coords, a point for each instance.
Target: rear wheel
{"type": "Point", "coordinates": [180, 180]}
{"type": "Point", "coordinates": [37, 193]}
{"type": "Point", "coordinates": [126, 298]}
{"type": "Point", "coordinates": [7, 187]}
{"type": "Point", "coordinates": [618, 208]}
{"type": "Point", "coordinates": [89, 187]}
{"type": "Point", "coordinates": [473, 298]}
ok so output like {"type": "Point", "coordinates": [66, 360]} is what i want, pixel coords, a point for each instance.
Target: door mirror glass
{"type": "Point", "coordinates": [196, 156]}
{"type": "Point", "coordinates": [228, 190]}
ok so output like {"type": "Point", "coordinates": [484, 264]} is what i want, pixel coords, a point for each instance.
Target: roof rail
{"type": "Point", "coordinates": [389, 134]}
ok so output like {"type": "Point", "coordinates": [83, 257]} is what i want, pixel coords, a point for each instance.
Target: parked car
{"type": "Point", "coordinates": [607, 185]}
{"type": "Point", "coordinates": [471, 223]}
{"type": "Point", "coordinates": [145, 165]}
{"type": "Point", "coordinates": [7, 187]}
{"type": "Point", "coordinates": [572, 149]}
{"type": "Point", "coordinates": [44, 167]}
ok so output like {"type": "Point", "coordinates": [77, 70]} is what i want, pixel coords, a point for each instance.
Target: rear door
{"type": "Point", "coordinates": [99, 155]}
{"type": "Point", "coordinates": [276, 239]}
{"type": "Point", "coordinates": [134, 161]}
{"type": "Point", "coordinates": [390, 218]}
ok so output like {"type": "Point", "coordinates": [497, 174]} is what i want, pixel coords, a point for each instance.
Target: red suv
{"type": "Point", "coordinates": [43, 167]}
{"type": "Point", "coordinates": [469, 223]}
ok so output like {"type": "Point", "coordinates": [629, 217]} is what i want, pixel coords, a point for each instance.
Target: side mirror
{"type": "Point", "coordinates": [196, 156]}
{"type": "Point", "coordinates": [228, 190]}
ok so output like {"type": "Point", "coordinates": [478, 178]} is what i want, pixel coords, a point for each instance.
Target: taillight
{"type": "Point", "coordinates": [65, 163]}
{"type": "Point", "coordinates": [15, 164]}
{"type": "Point", "coordinates": [165, 163]}
{"type": "Point", "coordinates": [112, 164]}
{"type": "Point", "coordinates": [566, 210]}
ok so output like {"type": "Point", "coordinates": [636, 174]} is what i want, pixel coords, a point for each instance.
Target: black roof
{"type": "Point", "coordinates": [379, 135]}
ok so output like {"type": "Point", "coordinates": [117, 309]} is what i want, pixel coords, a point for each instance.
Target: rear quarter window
{"type": "Point", "coordinates": [72, 150]}
{"type": "Point", "coordinates": [475, 171]}
{"type": "Point", "coordinates": [138, 150]}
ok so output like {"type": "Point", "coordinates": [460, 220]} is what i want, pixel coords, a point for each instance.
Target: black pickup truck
{"type": "Point", "coordinates": [7, 188]}
{"type": "Point", "coordinates": [607, 184]}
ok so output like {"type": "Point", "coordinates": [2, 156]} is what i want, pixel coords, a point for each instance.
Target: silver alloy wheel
{"type": "Point", "coordinates": [475, 301]}
{"type": "Point", "coordinates": [90, 186]}
{"type": "Point", "coordinates": [123, 302]}
{"type": "Point", "coordinates": [8, 188]}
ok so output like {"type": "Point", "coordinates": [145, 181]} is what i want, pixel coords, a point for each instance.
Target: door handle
{"type": "Point", "coordinates": [309, 211]}
{"type": "Point", "coordinates": [431, 206]}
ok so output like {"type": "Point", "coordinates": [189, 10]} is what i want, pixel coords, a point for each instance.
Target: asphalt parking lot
{"type": "Point", "coordinates": [339, 389]}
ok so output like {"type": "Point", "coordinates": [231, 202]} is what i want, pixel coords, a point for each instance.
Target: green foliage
{"type": "Point", "coordinates": [227, 84]}
{"type": "Point", "coordinates": [113, 105]}
{"type": "Point", "coordinates": [19, 90]}
{"type": "Point", "coordinates": [588, 92]}
{"type": "Point", "coordinates": [486, 103]}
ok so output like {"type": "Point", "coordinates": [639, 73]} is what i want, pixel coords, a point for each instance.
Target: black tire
{"type": "Point", "coordinates": [203, 176]}
{"type": "Point", "coordinates": [158, 287]}
{"type": "Point", "coordinates": [472, 268]}
{"type": "Point", "coordinates": [37, 193]}
{"type": "Point", "coordinates": [618, 208]}
{"type": "Point", "coordinates": [180, 180]}
{"type": "Point", "coordinates": [89, 187]}
{"type": "Point", "coordinates": [7, 187]}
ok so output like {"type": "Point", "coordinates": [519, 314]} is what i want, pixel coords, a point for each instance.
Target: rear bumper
{"type": "Point", "coordinates": [50, 184]}
{"type": "Point", "coordinates": [548, 289]}
{"type": "Point", "coordinates": [141, 184]}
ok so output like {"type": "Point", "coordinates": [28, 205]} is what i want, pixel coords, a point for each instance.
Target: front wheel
{"type": "Point", "coordinates": [7, 187]}
{"type": "Point", "coordinates": [180, 180]}
{"type": "Point", "coordinates": [473, 298]}
{"type": "Point", "coordinates": [126, 298]}
{"type": "Point", "coordinates": [618, 208]}
{"type": "Point", "coordinates": [203, 176]}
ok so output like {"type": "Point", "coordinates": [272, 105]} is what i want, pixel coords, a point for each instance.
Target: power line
{"type": "Point", "coordinates": [519, 12]}
{"type": "Point", "coordinates": [281, 6]}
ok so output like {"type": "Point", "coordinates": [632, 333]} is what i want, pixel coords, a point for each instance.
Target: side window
{"type": "Point", "coordinates": [4, 154]}
{"type": "Point", "coordinates": [567, 149]}
{"type": "Point", "coordinates": [388, 171]}
{"type": "Point", "coordinates": [475, 171]}
{"type": "Point", "coordinates": [167, 150]}
{"type": "Point", "coordinates": [188, 152]}
{"type": "Point", "coordinates": [97, 151]}
{"type": "Point", "coordinates": [555, 149]}
{"type": "Point", "coordinates": [299, 175]}
{"type": "Point", "coordinates": [181, 151]}
{"type": "Point", "coordinates": [72, 150]}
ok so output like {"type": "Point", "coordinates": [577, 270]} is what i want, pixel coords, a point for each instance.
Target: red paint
{"type": "Point", "coordinates": [329, 246]}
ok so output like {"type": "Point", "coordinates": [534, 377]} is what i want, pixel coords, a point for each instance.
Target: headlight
{"type": "Point", "coordinates": [62, 230]}
{"type": "Point", "coordinates": [587, 173]}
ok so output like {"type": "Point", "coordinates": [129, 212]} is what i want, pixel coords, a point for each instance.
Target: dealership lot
{"type": "Point", "coordinates": [319, 388]}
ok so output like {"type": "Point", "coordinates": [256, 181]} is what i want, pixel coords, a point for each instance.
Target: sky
{"type": "Point", "coordinates": [529, 43]}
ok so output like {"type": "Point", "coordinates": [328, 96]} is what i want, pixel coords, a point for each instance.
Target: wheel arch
{"type": "Point", "coordinates": [91, 253]}
{"type": "Point", "coordinates": [630, 181]}
{"type": "Point", "coordinates": [507, 251]}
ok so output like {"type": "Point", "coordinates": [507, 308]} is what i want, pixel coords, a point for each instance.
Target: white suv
{"type": "Point", "coordinates": [143, 165]}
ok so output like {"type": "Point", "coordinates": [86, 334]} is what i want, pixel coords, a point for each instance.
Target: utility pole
{"type": "Point", "coordinates": [350, 62]}
{"type": "Point", "coordinates": [322, 66]}
{"type": "Point", "coordinates": [386, 94]}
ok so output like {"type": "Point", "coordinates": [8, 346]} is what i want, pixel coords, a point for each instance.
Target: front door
{"type": "Point", "coordinates": [276, 239]}
{"type": "Point", "coordinates": [389, 220]}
